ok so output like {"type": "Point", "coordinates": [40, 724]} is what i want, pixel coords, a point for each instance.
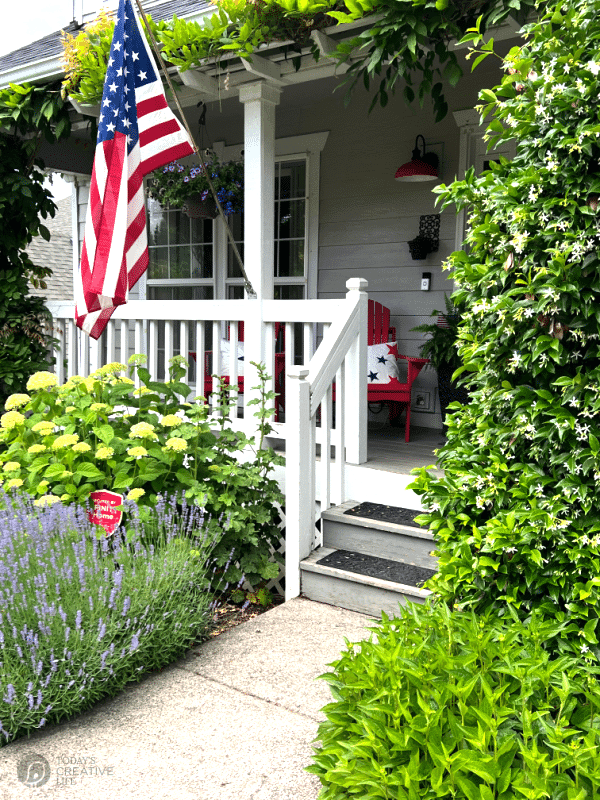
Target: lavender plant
{"type": "Point", "coordinates": [81, 614]}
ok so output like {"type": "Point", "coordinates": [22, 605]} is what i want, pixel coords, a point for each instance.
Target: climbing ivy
{"type": "Point", "coordinates": [407, 42]}
{"type": "Point", "coordinates": [516, 514]}
{"type": "Point", "coordinates": [27, 113]}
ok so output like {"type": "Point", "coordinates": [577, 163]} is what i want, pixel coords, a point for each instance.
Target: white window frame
{"type": "Point", "coordinates": [473, 152]}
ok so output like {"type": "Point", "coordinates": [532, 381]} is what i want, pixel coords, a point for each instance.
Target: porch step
{"type": "Point", "coordinates": [356, 592]}
{"type": "Point", "coordinates": [366, 564]}
{"type": "Point", "coordinates": [410, 544]}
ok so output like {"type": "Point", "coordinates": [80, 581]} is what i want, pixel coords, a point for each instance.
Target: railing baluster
{"type": "Point", "coordinates": [59, 351]}
{"type": "Point", "coordinates": [124, 343]}
{"type": "Point", "coordinates": [308, 342]}
{"type": "Point", "coordinates": [200, 350]}
{"type": "Point", "coordinates": [216, 365]}
{"type": "Point", "coordinates": [326, 450]}
{"type": "Point", "coordinates": [168, 345]}
{"type": "Point", "coordinates": [153, 348]}
{"type": "Point", "coordinates": [111, 341]}
{"type": "Point", "coordinates": [138, 344]}
{"type": "Point", "coordinates": [339, 437]}
{"type": "Point", "coordinates": [184, 343]}
{"type": "Point", "coordinates": [72, 363]}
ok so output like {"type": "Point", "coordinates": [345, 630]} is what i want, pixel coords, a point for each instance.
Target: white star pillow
{"type": "Point", "coordinates": [381, 363]}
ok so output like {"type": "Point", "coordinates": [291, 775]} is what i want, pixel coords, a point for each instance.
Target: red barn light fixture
{"type": "Point", "coordinates": [422, 167]}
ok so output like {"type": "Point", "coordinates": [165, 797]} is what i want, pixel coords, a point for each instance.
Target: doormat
{"type": "Point", "coordinates": [399, 516]}
{"type": "Point", "coordinates": [374, 567]}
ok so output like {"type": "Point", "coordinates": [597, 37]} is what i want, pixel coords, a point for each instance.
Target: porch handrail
{"type": "Point", "coordinates": [341, 358]}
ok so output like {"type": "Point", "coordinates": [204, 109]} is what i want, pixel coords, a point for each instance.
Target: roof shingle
{"type": "Point", "coordinates": [50, 45]}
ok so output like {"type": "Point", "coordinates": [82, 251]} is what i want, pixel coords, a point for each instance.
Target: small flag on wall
{"type": "Point", "coordinates": [137, 133]}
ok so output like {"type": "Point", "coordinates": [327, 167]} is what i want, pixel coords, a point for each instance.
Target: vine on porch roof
{"type": "Point", "coordinates": [516, 515]}
{"type": "Point", "coordinates": [408, 41]}
{"type": "Point", "coordinates": [24, 110]}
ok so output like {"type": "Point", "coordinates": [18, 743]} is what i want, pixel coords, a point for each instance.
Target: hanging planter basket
{"type": "Point", "coordinates": [197, 208]}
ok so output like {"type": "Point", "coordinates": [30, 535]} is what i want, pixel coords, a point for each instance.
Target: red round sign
{"type": "Point", "coordinates": [105, 511]}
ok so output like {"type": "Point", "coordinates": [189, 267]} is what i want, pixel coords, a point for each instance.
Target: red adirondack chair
{"type": "Point", "coordinates": [395, 395]}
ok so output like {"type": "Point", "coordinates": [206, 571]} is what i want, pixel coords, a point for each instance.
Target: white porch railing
{"type": "Point", "coordinates": [327, 336]}
{"type": "Point", "coordinates": [336, 371]}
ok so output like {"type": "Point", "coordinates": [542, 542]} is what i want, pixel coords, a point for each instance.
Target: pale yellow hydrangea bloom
{"type": "Point", "coordinates": [142, 390]}
{"type": "Point", "coordinates": [16, 401]}
{"type": "Point", "coordinates": [99, 407]}
{"type": "Point", "coordinates": [14, 483]}
{"type": "Point", "coordinates": [170, 421]}
{"type": "Point", "coordinates": [44, 428]}
{"type": "Point", "coordinates": [11, 466]}
{"type": "Point", "coordinates": [47, 500]}
{"type": "Point", "coordinates": [66, 440]}
{"type": "Point", "coordinates": [137, 452]}
{"type": "Point", "coordinates": [111, 369]}
{"type": "Point", "coordinates": [43, 485]}
{"type": "Point", "coordinates": [137, 360]}
{"type": "Point", "coordinates": [36, 448]}
{"type": "Point", "coordinates": [125, 379]}
{"type": "Point", "coordinates": [135, 494]}
{"type": "Point", "coordinates": [142, 430]}
{"type": "Point", "coordinates": [11, 419]}
{"type": "Point", "coordinates": [103, 453]}
{"type": "Point", "coordinates": [81, 447]}
{"type": "Point", "coordinates": [68, 409]}
{"type": "Point", "coordinates": [41, 380]}
{"type": "Point", "coordinates": [176, 443]}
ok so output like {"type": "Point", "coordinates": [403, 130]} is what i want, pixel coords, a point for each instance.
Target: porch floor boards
{"type": "Point", "coordinates": [387, 450]}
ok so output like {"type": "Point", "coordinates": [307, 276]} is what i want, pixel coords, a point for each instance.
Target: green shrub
{"type": "Point", "coordinates": [60, 443]}
{"type": "Point", "coordinates": [450, 705]}
{"type": "Point", "coordinates": [81, 616]}
{"type": "Point", "coordinates": [516, 515]}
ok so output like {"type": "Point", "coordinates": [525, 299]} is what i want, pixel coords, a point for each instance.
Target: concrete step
{"type": "Point", "coordinates": [405, 543]}
{"type": "Point", "coordinates": [353, 591]}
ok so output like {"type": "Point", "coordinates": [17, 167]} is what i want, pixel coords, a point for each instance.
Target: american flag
{"type": "Point", "coordinates": [137, 133]}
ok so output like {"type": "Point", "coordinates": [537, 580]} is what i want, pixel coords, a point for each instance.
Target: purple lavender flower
{"type": "Point", "coordinates": [126, 604]}
{"type": "Point", "coordinates": [78, 621]}
{"type": "Point", "coordinates": [135, 642]}
{"type": "Point", "coordinates": [10, 695]}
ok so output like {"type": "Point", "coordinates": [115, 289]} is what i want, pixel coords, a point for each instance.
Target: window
{"type": "Point", "coordinates": [290, 241]}
{"type": "Point", "coordinates": [181, 255]}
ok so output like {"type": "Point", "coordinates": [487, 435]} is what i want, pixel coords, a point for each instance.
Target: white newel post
{"type": "Point", "coordinates": [299, 479]}
{"type": "Point", "coordinates": [356, 378]}
{"type": "Point", "coordinates": [260, 100]}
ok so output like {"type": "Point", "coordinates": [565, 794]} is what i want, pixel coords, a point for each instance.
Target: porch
{"type": "Point", "coordinates": [331, 456]}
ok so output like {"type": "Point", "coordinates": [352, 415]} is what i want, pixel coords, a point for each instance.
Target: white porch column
{"type": "Point", "coordinates": [259, 101]}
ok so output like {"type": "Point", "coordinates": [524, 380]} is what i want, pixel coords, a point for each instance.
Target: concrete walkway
{"type": "Point", "coordinates": [233, 720]}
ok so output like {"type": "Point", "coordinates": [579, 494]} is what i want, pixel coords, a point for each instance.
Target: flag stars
{"type": "Point", "coordinates": [110, 127]}
{"type": "Point", "coordinates": [113, 87]}
{"type": "Point", "coordinates": [126, 123]}
{"type": "Point", "coordinates": [142, 75]}
{"type": "Point", "coordinates": [135, 56]}
{"type": "Point", "coordinates": [117, 45]}
{"type": "Point", "coordinates": [106, 102]}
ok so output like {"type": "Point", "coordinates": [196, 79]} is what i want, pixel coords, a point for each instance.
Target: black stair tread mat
{"type": "Point", "coordinates": [399, 516]}
{"type": "Point", "coordinates": [374, 567]}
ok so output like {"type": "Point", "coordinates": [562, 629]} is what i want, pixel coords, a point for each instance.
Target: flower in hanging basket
{"type": "Point", "coordinates": [176, 184]}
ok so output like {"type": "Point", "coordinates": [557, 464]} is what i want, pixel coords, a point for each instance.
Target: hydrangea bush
{"type": "Point", "coordinates": [82, 615]}
{"type": "Point", "coordinates": [516, 514]}
{"type": "Point", "coordinates": [60, 443]}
